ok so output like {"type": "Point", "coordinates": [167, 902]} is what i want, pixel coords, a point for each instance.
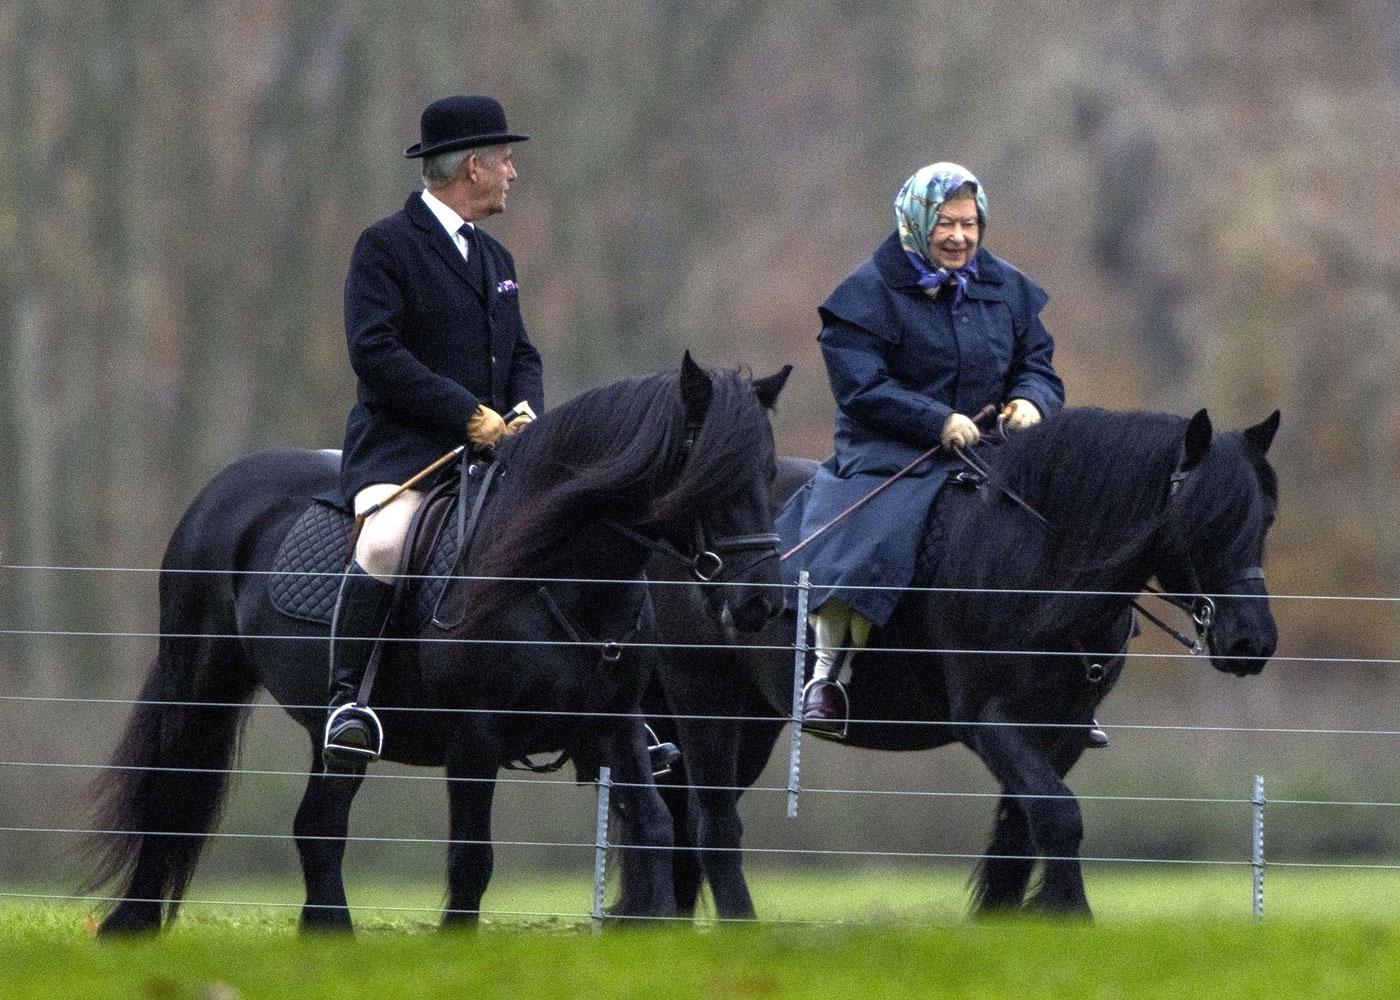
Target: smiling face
{"type": "Point", "coordinates": [953, 240]}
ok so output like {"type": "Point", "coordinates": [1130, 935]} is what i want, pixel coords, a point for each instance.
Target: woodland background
{"type": "Point", "coordinates": [1207, 188]}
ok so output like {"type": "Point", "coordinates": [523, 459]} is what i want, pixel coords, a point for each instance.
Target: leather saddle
{"type": "Point", "coordinates": [306, 573]}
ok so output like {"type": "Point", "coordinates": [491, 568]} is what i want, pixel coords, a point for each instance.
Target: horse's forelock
{"type": "Point", "coordinates": [731, 447]}
{"type": "Point", "coordinates": [1225, 509]}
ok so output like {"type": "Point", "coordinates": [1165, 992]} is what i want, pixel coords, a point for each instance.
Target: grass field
{"type": "Point", "coordinates": [1181, 932]}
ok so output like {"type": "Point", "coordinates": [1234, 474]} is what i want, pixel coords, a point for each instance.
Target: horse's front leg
{"type": "Point", "coordinates": [1004, 874]}
{"type": "Point", "coordinates": [470, 857]}
{"type": "Point", "coordinates": [1018, 756]}
{"type": "Point", "coordinates": [712, 755]}
{"type": "Point", "coordinates": [322, 821]}
{"type": "Point", "coordinates": [644, 830]}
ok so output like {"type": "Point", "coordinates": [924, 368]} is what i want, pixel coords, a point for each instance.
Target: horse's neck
{"type": "Point", "coordinates": [1039, 581]}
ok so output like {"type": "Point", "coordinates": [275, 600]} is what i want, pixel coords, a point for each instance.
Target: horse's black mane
{"type": "Point", "coordinates": [1102, 482]}
{"type": "Point", "coordinates": [619, 451]}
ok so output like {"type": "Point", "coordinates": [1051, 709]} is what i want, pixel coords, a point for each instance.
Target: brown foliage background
{"type": "Point", "coordinates": [1208, 190]}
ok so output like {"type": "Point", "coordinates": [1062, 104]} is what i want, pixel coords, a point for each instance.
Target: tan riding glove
{"type": "Point", "coordinates": [959, 432]}
{"type": "Point", "coordinates": [517, 425]}
{"type": "Point", "coordinates": [1020, 414]}
{"type": "Point", "coordinates": [485, 427]}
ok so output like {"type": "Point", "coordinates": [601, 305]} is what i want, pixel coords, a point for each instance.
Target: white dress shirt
{"type": "Point", "coordinates": [450, 220]}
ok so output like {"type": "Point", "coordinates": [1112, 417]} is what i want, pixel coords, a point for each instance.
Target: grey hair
{"type": "Point", "coordinates": [442, 168]}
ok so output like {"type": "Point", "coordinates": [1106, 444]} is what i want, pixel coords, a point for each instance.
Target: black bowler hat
{"type": "Point", "coordinates": [462, 123]}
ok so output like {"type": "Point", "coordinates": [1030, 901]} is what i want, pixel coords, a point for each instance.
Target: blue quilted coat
{"type": "Point", "coordinates": [899, 363]}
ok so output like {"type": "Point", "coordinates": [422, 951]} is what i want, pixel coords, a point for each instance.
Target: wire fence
{"type": "Point", "coordinates": [600, 842]}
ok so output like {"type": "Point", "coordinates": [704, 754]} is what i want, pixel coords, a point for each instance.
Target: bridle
{"type": "Point", "coordinates": [1196, 602]}
{"type": "Point", "coordinates": [706, 560]}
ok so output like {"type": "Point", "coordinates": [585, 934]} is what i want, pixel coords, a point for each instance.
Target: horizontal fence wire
{"type": "Point", "coordinates": [701, 646]}
{"type": "Point", "coordinates": [565, 783]}
{"type": "Point", "coordinates": [693, 582]}
{"type": "Point", "coordinates": [819, 852]}
{"type": "Point", "coordinates": [691, 717]}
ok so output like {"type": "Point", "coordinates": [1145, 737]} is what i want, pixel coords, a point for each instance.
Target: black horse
{"type": "Point", "coordinates": [1124, 497]}
{"type": "Point", "coordinates": [589, 492]}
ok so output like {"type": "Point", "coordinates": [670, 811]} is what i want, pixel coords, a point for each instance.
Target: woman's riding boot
{"type": "Point", "coordinates": [353, 735]}
{"type": "Point", "coordinates": [824, 705]}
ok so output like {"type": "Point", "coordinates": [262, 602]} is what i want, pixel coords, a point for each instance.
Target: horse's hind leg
{"type": "Point", "coordinates": [322, 821]}
{"type": "Point", "coordinates": [1005, 872]}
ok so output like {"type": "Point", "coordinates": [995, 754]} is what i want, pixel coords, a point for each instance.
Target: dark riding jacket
{"type": "Point", "coordinates": [899, 363]}
{"type": "Point", "coordinates": [431, 337]}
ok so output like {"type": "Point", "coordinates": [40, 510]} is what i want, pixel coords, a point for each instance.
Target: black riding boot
{"type": "Point", "coordinates": [353, 735]}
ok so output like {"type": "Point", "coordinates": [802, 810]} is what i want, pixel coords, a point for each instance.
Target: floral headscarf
{"type": "Point", "coordinates": [916, 210]}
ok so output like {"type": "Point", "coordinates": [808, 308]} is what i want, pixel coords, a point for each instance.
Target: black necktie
{"type": "Point", "coordinates": [476, 260]}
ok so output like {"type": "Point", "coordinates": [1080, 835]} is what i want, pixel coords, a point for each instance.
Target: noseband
{"type": "Point", "coordinates": [1200, 606]}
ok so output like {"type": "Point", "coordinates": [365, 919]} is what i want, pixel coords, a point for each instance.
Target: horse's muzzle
{"type": "Point", "coordinates": [1245, 655]}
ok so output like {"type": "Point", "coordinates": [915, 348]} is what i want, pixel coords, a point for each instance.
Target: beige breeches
{"type": "Point", "coordinates": [832, 624]}
{"type": "Point", "coordinates": [381, 540]}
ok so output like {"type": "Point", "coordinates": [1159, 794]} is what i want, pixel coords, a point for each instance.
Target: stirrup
{"type": "Point", "coordinates": [663, 755]}
{"type": "Point", "coordinates": [347, 755]}
{"type": "Point", "coordinates": [827, 728]}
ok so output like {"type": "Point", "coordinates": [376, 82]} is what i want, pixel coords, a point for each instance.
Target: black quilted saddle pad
{"type": "Point", "coordinates": [306, 574]}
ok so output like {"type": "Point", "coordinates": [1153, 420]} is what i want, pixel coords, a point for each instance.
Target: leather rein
{"type": "Point", "coordinates": [1200, 606]}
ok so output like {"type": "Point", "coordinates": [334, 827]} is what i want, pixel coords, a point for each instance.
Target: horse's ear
{"type": "Point", "coordinates": [696, 390]}
{"type": "Point", "coordinates": [1261, 435]}
{"type": "Point", "coordinates": [767, 389]}
{"type": "Point", "coordinates": [1197, 441]}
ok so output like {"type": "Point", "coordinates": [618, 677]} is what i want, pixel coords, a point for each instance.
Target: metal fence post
{"type": "Point", "coordinates": [600, 846]}
{"type": "Point", "coordinates": [1258, 854]}
{"type": "Point", "coordinates": [799, 670]}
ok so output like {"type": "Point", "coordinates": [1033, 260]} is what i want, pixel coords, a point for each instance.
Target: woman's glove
{"type": "Point", "coordinates": [1020, 414]}
{"type": "Point", "coordinates": [485, 427]}
{"type": "Point", "coordinates": [959, 432]}
{"type": "Point", "coordinates": [518, 424]}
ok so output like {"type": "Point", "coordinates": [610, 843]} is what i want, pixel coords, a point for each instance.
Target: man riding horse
{"type": "Point", "coordinates": [432, 318]}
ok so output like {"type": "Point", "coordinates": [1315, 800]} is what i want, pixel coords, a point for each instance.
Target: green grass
{"type": "Point", "coordinates": [1160, 933]}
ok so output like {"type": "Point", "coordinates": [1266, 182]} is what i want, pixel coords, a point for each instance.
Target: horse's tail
{"type": "Point", "coordinates": [165, 788]}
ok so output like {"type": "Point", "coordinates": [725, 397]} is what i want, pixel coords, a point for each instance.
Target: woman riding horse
{"type": "Point", "coordinates": [931, 328]}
